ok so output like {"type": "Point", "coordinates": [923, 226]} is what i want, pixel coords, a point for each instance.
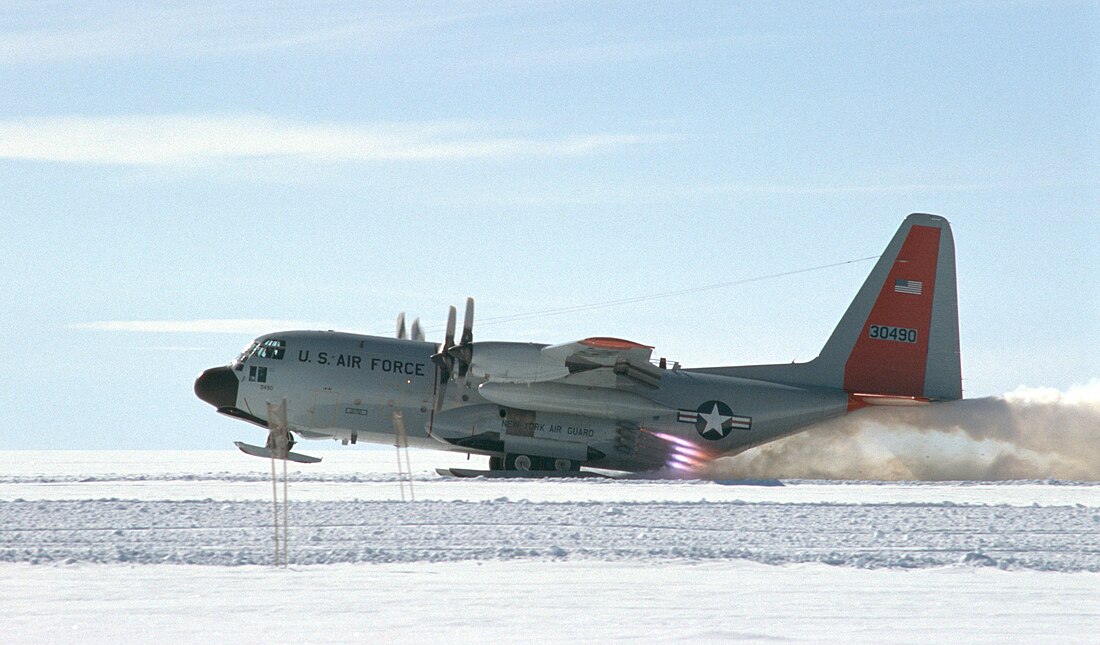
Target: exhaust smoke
{"type": "Point", "coordinates": [1029, 433]}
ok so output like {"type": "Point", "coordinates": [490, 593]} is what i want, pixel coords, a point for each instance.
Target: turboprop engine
{"type": "Point", "coordinates": [514, 362]}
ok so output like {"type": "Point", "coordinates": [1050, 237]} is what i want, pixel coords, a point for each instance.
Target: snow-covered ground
{"type": "Point", "coordinates": [105, 547]}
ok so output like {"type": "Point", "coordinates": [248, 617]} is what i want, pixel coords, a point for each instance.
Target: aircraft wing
{"type": "Point", "coordinates": [605, 362]}
{"type": "Point", "coordinates": [603, 377]}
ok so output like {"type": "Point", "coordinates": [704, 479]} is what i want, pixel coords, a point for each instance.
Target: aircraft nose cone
{"type": "Point", "coordinates": [218, 387]}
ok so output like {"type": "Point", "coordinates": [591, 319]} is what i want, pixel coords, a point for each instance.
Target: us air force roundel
{"type": "Point", "coordinates": [714, 420]}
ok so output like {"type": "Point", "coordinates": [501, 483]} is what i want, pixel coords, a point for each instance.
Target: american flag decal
{"type": "Point", "coordinates": [909, 286]}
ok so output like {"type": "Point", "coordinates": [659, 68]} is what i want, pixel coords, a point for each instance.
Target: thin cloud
{"type": "Point", "coordinates": [201, 139]}
{"type": "Point", "coordinates": [587, 195]}
{"type": "Point", "coordinates": [638, 51]}
{"type": "Point", "coordinates": [169, 349]}
{"type": "Point", "coordinates": [90, 31]}
{"type": "Point", "coordinates": [840, 189]}
{"type": "Point", "coordinates": [250, 326]}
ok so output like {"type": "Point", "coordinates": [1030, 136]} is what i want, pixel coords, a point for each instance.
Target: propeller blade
{"type": "Point", "coordinates": [444, 359]}
{"type": "Point", "coordinates": [417, 332]}
{"type": "Point", "coordinates": [401, 325]}
{"type": "Point", "coordinates": [464, 353]}
{"type": "Point", "coordinates": [468, 323]}
{"type": "Point", "coordinates": [449, 339]}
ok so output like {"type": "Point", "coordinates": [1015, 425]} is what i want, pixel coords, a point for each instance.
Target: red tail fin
{"type": "Point", "coordinates": [890, 355]}
{"type": "Point", "coordinates": [900, 335]}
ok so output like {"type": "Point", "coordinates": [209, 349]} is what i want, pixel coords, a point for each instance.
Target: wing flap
{"type": "Point", "coordinates": [599, 361]}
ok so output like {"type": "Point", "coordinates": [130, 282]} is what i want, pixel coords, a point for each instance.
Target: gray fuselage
{"type": "Point", "coordinates": [367, 388]}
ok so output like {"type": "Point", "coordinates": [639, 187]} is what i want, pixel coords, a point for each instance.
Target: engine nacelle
{"type": "Point", "coordinates": [514, 362]}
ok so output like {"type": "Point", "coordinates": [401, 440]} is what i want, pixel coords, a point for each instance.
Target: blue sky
{"type": "Point", "coordinates": [178, 178]}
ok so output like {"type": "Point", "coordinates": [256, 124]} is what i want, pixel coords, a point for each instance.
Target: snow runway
{"type": "Point", "coordinates": [476, 560]}
{"type": "Point", "coordinates": [212, 532]}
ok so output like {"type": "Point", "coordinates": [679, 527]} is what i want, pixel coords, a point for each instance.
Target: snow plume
{"type": "Point", "coordinates": [1030, 433]}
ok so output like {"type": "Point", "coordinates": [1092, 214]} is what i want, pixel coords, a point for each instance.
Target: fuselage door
{"type": "Point", "coordinates": [326, 406]}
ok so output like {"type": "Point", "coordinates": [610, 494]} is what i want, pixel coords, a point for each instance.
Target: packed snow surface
{"type": "Point", "coordinates": [906, 535]}
{"type": "Point", "coordinates": [103, 546]}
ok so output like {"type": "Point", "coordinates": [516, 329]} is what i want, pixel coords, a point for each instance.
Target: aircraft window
{"type": "Point", "coordinates": [238, 364]}
{"type": "Point", "coordinates": [272, 348]}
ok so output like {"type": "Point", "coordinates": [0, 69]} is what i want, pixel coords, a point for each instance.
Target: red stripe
{"type": "Point", "coordinates": [603, 342]}
{"type": "Point", "coordinates": [890, 367]}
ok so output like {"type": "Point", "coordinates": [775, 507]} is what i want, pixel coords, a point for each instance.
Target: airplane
{"type": "Point", "coordinates": [601, 402]}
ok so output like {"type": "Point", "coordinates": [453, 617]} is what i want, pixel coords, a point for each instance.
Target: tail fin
{"type": "Point", "coordinates": [900, 336]}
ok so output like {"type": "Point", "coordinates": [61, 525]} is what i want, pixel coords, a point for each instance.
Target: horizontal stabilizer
{"type": "Point", "coordinates": [258, 451]}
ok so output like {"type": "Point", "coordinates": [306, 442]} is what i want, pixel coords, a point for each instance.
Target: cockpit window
{"type": "Point", "coordinates": [272, 348]}
{"type": "Point", "coordinates": [249, 350]}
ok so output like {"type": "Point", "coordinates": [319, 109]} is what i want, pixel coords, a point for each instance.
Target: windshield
{"type": "Point", "coordinates": [272, 348]}
{"type": "Point", "coordinates": [238, 363]}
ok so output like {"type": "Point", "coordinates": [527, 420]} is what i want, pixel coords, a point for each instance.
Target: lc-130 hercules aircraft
{"type": "Point", "coordinates": [601, 402]}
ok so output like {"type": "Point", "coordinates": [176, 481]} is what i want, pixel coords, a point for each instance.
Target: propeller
{"type": "Point", "coordinates": [464, 353]}
{"type": "Point", "coordinates": [416, 332]}
{"type": "Point", "coordinates": [450, 354]}
{"type": "Point", "coordinates": [443, 357]}
{"type": "Point", "coordinates": [444, 360]}
{"type": "Point", "coordinates": [449, 337]}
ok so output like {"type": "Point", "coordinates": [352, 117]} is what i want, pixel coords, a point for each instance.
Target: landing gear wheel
{"type": "Point", "coordinates": [519, 462]}
{"type": "Point", "coordinates": [565, 465]}
{"type": "Point", "coordinates": [496, 463]}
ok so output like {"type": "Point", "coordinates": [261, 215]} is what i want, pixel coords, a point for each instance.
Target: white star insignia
{"type": "Point", "coordinates": [714, 420]}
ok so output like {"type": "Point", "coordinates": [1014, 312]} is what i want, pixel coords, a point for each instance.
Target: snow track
{"type": "Point", "coordinates": [1058, 538]}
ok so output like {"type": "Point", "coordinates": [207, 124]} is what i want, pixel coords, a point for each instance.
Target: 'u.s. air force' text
{"type": "Point", "coordinates": [394, 366]}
